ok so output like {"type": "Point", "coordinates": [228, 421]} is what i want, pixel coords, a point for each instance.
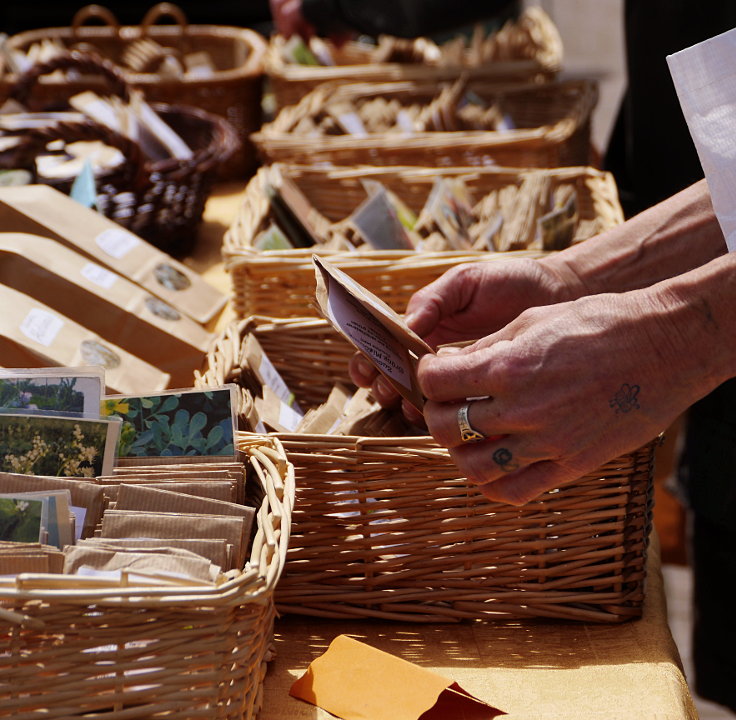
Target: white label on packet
{"type": "Point", "coordinates": [41, 326]}
{"type": "Point", "coordinates": [369, 335]}
{"type": "Point", "coordinates": [272, 378]}
{"type": "Point", "coordinates": [289, 418]}
{"type": "Point", "coordinates": [117, 242]}
{"type": "Point", "coordinates": [99, 276]}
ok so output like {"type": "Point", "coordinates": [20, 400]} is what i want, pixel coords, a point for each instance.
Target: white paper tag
{"type": "Point", "coordinates": [117, 242]}
{"type": "Point", "coordinates": [41, 326]}
{"type": "Point", "coordinates": [99, 276]}
{"type": "Point", "coordinates": [272, 378]}
{"type": "Point", "coordinates": [289, 418]}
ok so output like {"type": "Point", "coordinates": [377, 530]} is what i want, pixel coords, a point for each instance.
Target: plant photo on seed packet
{"type": "Point", "coordinates": [51, 390]}
{"type": "Point", "coordinates": [21, 519]}
{"type": "Point", "coordinates": [177, 423]}
{"type": "Point", "coordinates": [57, 446]}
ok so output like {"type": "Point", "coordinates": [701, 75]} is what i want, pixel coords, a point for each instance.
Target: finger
{"type": "Point", "coordinates": [483, 416]}
{"type": "Point", "coordinates": [384, 392]}
{"type": "Point", "coordinates": [362, 372]}
{"type": "Point", "coordinates": [469, 372]}
{"type": "Point", "coordinates": [527, 483]}
{"type": "Point", "coordinates": [412, 414]}
{"type": "Point", "coordinates": [489, 461]}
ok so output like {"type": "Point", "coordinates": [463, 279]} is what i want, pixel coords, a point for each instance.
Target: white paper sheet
{"type": "Point", "coordinates": [705, 80]}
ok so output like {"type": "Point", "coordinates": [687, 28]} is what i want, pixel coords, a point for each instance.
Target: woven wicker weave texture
{"type": "Point", "coordinates": [187, 653]}
{"type": "Point", "coordinates": [280, 283]}
{"type": "Point", "coordinates": [384, 527]}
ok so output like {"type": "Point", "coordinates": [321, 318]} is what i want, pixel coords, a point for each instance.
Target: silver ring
{"type": "Point", "coordinates": [467, 432]}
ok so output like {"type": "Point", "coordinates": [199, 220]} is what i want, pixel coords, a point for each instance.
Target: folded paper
{"type": "Point", "coordinates": [355, 681]}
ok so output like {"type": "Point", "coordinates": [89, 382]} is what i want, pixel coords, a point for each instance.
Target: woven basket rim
{"type": "Point", "coordinates": [252, 67]}
{"type": "Point", "coordinates": [254, 581]}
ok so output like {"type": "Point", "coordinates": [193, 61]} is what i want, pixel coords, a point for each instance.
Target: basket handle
{"type": "Point", "coordinates": [164, 9]}
{"type": "Point", "coordinates": [94, 12]}
{"type": "Point", "coordinates": [84, 62]}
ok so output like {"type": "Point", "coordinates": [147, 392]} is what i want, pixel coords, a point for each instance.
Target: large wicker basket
{"type": "Point", "coordinates": [186, 652]}
{"type": "Point", "coordinates": [528, 49]}
{"type": "Point", "coordinates": [385, 528]}
{"type": "Point", "coordinates": [232, 92]}
{"type": "Point", "coordinates": [160, 201]}
{"type": "Point", "coordinates": [552, 128]}
{"type": "Point", "coordinates": [280, 283]}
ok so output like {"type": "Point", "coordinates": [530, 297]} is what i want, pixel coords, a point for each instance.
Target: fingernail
{"type": "Point", "coordinates": [410, 318]}
{"type": "Point", "coordinates": [383, 388]}
{"type": "Point", "coordinates": [448, 350]}
{"type": "Point", "coordinates": [364, 367]}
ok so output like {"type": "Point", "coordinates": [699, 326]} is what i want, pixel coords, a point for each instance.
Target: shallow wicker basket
{"type": "Point", "coordinates": [385, 528]}
{"type": "Point", "coordinates": [552, 128]}
{"type": "Point", "coordinates": [280, 283]}
{"type": "Point", "coordinates": [160, 201]}
{"type": "Point", "coordinates": [232, 92]}
{"type": "Point", "coordinates": [186, 652]}
{"type": "Point", "coordinates": [532, 51]}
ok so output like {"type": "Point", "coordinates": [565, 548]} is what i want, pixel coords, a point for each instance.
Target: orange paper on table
{"type": "Point", "coordinates": [355, 681]}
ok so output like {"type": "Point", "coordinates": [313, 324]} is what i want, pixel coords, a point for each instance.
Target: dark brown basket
{"type": "Point", "coordinates": [233, 92]}
{"type": "Point", "coordinates": [161, 201]}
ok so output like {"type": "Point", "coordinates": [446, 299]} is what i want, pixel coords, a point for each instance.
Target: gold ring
{"type": "Point", "coordinates": [467, 432]}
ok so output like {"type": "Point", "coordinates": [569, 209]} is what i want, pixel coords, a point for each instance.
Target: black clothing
{"type": "Point", "coordinates": [402, 18]}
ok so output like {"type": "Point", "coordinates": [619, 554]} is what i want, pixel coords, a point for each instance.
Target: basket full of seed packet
{"type": "Point", "coordinates": [397, 229]}
{"type": "Point", "coordinates": [464, 121]}
{"type": "Point", "coordinates": [384, 526]}
{"type": "Point", "coordinates": [139, 550]}
{"type": "Point", "coordinates": [528, 48]}
{"type": "Point", "coordinates": [215, 68]}
{"type": "Point", "coordinates": [149, 167]}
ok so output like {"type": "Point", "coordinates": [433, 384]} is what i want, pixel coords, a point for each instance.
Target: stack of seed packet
{"type": "Point", "coordinates": [145, 489]}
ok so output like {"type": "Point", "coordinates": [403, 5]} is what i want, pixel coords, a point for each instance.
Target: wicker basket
{"type": "Point", "coordinates": [529, 49]}
{"type": "Point", "coordinates": [552, 128]}
{"type": "Point", "coordinates": [68, 651]}
{"type": "Point", "coordinates": [233, 92]}
{"type": "Point", "coordinates": [280, 283]}
{"type": "Point", "coordinates": [160, 201]}
{"type": "Point", "coordinates": [384, 527]}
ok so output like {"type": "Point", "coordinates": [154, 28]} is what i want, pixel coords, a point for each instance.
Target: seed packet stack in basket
{"type": "Point", "coordinates": [527, 49]}
{"type": "Point", "coordinates": [186, 630]}
{"type": "Point", "coordinates": [460, 122]}
{"type": "Point", "coordinates": [157, 194]}
{"type": "Point", "coordinates": [383, 526]}
{"type": "Point", "coordinates": [215, 68]}
{"type": "Point", "coordinates": [277, 280]}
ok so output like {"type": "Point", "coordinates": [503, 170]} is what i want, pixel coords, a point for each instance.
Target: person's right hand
{"type": "Point", "coordinates": [468, 302]}
{"type": "Point", "coordinates": [288, 18]}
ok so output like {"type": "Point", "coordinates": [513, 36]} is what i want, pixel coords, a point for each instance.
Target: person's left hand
{"type": "Point", "coordinates": [567, 387]}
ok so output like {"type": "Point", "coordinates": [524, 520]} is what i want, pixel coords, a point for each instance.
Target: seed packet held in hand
{"type": "Point", "coordinates": [372, 327]}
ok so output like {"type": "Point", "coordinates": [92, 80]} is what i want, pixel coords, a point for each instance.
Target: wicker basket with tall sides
{"type": "Point", "coordinates": [386, 528]}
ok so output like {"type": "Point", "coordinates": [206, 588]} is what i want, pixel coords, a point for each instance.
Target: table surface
{"type": "Point", "coordinates": [530, 669]}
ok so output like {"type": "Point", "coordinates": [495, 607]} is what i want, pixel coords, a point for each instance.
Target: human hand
{"type": "Point", "coordinates": [567, 387]}
{"type": "Point", "coordinates": [288, 18]}
{"type": "Point", "coordinates": [467, 302]}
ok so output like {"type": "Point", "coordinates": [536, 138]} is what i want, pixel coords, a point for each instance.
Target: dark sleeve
{"type": "Point", "coordinates": [403, 18]}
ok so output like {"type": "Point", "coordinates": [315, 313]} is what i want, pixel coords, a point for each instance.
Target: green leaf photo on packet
{"type": "Point", "coordinates": [174, 424]}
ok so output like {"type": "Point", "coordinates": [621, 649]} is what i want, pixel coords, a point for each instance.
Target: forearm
{"type": "Point", "coordinates": [403, 18]}
{"type": "Point", "coordinates": [673, 237]}
{"type": "Point", "coordinates": [699, 310]}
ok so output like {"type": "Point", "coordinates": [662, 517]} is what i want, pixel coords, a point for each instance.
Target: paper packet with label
{"type": "Point", "coordinates": [42, 210]}
{"type": "Point", "coordinates": [34, 335]}
{"type": "Point", "coordinates": [104, 302]}
{"type": "Point", "coordinates": [372, 327]}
